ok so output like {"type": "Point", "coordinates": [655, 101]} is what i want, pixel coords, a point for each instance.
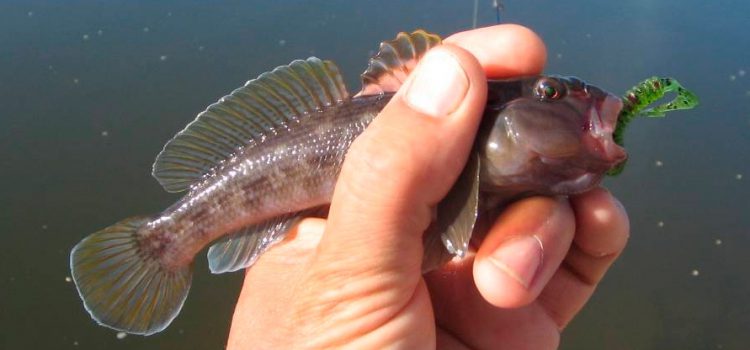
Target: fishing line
{"type": "Point", "coordinates": [495, 4]}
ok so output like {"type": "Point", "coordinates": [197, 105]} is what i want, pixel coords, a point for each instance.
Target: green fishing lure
{"type": "Point", "coordinates": [639, 97]}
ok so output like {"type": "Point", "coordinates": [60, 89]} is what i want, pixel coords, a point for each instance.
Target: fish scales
{"type": "Point", "coordinates": [293, 171]}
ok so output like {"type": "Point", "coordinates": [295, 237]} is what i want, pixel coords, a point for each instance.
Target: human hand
{"type": "Point", "coordinates": [354, 280]}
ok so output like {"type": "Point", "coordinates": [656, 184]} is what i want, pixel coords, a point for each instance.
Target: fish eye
{"type": "Point", "coordinates": [549, 89]}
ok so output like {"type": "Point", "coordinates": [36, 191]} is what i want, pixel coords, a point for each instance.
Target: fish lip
{"type": "Point", "coordinates": [602, 121]}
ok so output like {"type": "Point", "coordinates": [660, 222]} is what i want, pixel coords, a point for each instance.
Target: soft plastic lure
{"type": "Point", "coordinates": [639, 97]}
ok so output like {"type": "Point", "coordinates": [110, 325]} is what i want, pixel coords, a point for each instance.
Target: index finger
{"type": "Point", "coordinates": [505, 50]}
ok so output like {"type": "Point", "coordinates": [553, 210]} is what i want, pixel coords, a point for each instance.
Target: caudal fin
{"type": "Point", "coordinates": [121, 286]}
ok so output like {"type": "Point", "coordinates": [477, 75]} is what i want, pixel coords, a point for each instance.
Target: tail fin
{"type": "Point", "coordinates": [121, 286]}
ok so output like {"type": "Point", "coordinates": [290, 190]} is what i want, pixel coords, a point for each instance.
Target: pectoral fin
{"type": "Point", "coordinates": [456, 217]}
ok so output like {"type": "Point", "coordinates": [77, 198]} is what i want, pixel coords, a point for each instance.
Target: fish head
{"type": "Point", "coordinates": [548, 135]}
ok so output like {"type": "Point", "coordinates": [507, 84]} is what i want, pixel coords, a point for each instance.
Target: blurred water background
{"type": "Point", "coordinates": [91, 90]}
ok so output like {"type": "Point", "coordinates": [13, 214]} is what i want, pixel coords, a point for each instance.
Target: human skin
{"type": "Point", "coordinates": [354, 280]}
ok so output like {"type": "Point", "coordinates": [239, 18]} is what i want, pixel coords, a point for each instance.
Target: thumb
{"type": "Point", "coordinates": [400, 168]}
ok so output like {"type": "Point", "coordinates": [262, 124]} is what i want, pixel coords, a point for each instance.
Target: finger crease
{"type": "Point", "coordinates": [559, 320]}
{"type": "Point", "coordinates": [596, 254]}
{"type": "Point", "coordinates": [578, 274]}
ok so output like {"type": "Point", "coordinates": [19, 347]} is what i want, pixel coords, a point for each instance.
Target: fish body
{"type": "Point", "coordinates": [293, 171]}
{"type": "Point", "coordinates": [266, 155]}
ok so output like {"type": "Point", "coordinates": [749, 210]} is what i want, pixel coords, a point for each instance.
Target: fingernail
{"type": "Point", "coordinates": [519, 258]}
{"type": "Point", "coordinates": [438, 85]}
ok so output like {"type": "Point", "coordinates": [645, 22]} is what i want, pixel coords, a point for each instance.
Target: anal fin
{"type": "Point", "coordinates": [242, 248]}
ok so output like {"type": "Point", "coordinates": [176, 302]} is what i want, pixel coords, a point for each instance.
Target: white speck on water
{"type": "Point", "coordinates": [718, 241]}
{"type": "Point", "coordinates": [30, 13]}
{"type": "Point", "coordinates": [588, 35]}
{"type": "Point", "coordinates": [660, 224]}
{"type": "Point", "coordinates": [695, 273]}
{"type": "Point", "coordinates": [169, 14]}
{"type": "Point", "coordinates": [76, 81]}
{"type": "Point", "coordinates": [121, 335]}
{"type": "Point", "coordinates": [738, 176]}
{"type": "Point", "coordinates": [163, 58]}
{"type": "Point", "coordinates": [732, 77]}
{"type": "Point", "coordinates": [741, 72]}
{"type": "Point", "coordinates": [201, 48]}
{"type": "Point", "coordinates": [559, 56]}
{"type": "Point", "coordinates": [75, 343]}
{"type": "Point", "coordinates": [68, 279]}
{"type": "Point", "coordinates": [44, 227]}
{"type": "Point", "coordinates": [85, 37]}
{"type": "Point", "coordinates": [181, 331]}
{"type": "Point", "coordinates": [146, 29]}
{"type": "Point", "coordinates": [105, 133]}
{"type": "Point", "coordinates": [282, 42]}
{"type": "Point", "coordinates": [659, 163]}
{"type": "Point", "coordinates": [50, 67]}
{"type": "Point", "coordinates": [99, 32]}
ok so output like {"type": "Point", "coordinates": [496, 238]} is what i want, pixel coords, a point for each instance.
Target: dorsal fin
{"type": "Point", "coordinates": [246, 117]}
{"type": "Point", "coordinates": [394, 61]}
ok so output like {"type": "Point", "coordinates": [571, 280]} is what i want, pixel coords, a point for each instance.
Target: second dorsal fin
{"type": "Point", "coordinates": [246, 117]}
{"type": "Point", "coordinates": [396, 58]}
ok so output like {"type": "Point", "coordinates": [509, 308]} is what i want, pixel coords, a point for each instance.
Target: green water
{"type": "Point", "coordinates": [90, 91]}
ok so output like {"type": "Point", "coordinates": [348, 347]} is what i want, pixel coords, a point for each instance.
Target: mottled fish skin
{"type": "Point", "coordinates": [292, 171]}
{"type": "Point", "coordinates": [297, 168]}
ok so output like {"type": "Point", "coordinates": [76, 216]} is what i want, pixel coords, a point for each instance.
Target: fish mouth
{"type": "Point", "coordinates": [602, 121]}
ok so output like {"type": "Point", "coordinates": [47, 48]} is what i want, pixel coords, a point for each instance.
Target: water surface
{"type": "Point", "coordinates": [90, 91]}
